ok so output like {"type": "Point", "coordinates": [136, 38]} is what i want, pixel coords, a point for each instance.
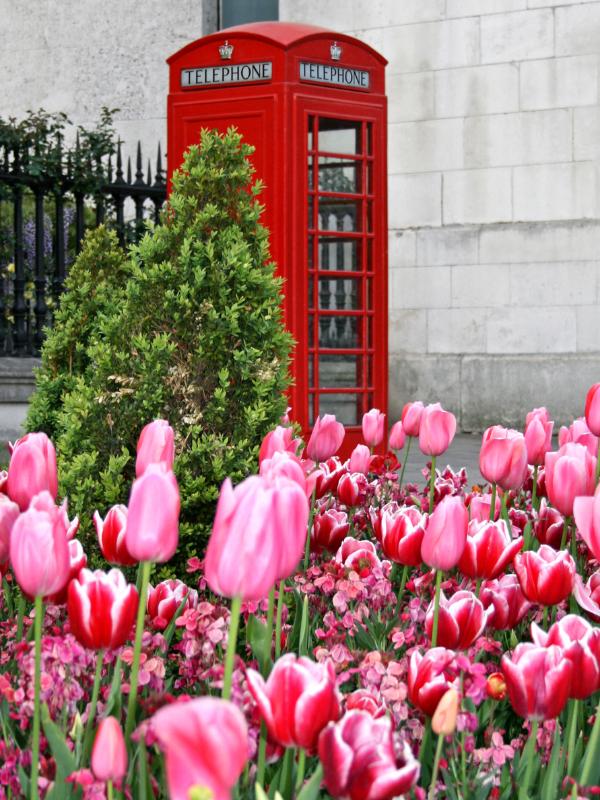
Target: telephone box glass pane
{"type": "Point", "coordinates": [339, 254]}
{"type": "Point", "coordinates": [341, 333]}
{"type": "Point", "coordinates": [339, 215]}
{"type": "Point", "coordinates": [340, 136]}
{"type": "Point", "coordinates": [338, 371]}
{"type": "Point", "coordinates": [339, 294]}
{"type": "Point", "coordinates": [337, 175]}
{"type": "Point", "coordinates": [345, 406]}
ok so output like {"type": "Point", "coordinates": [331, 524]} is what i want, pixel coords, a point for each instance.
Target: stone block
{"type": "Point", "coordinates": [559, 82]}
{"type": "Point", "coordinates": [480, 285]}
{"type": "Point", "coordinates": [586, 133]}
{"type": "Point", "coordinates": [407, 331]}
{"type": "Point", "coordinates": [578, 29]}
{"type": "Point", "coordinates": [391, 12]}
{"type": "Point", "coordinates": [540, 241]}
{"type": "Point", "coordinates": [410, 96]}
{"type": "Point", "coordinates": [554, 284]}
{"type": "Point", "coordinates": [588, 330]}
{"type": "Point", "coordinates": [415, 200]}
{"type": "Point", "coordinates": [532, 137]}
{"type": "Point", "coordinates": [468, 8]}
{"type": "Point", "coordinates": [456, 330]}
{"type": "Point", "coordinates": [12, 418]}
{"type": "Point", "coordinates": [431, 45]}
{"type": "Point", "coordinates": [419, 287]}
{"type": "Point", "coordinates": [477, 196]}
{"type": "Point", "coordinates": [551, 3]}
{"type": "Point", "coordinates": [428, 378]}
{"type": "Point", "coordinates": [426, 146]}
{"type": "Point", "coordinates": [532, 330]}
{"type": "Point", "coordinates": [518, 36]}
{"type": "Point", "coordinates": [17, 380]}
{"type": "Point", "coordinates": [555, 191]}
{"type": "Point", "coordinates": [402, 248]}
{"type": "Point", "coordinates": [467, 91]}
{"type": "Point", "coordinates": [436, 246]}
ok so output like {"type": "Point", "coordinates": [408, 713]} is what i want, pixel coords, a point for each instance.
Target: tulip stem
{"type": "Point", "coordinates": [301, 768]}
{"type": "Point", "coordinates": [234, 622]}
{"type": "Point", "coordinates": [303, 643]}
{"type": "Point", "coordinates": [262, 754]}
{"type": "Point", "coordinates": [8, 597]}
{"type": "Point", "coordinates": [408, 444]}
{"type": "Point", "coordinates": [436, 767]}
{"type": "Point", "coordinates": [137, 650]}
{"type": "Point", "coordinates": [534, 488]}
{"type": "Point", "coordinates": [89, 726]}
{"type": "Point", "coordinates": [403, 580]}
{"type": "Point", "coordinates": [571, 734]}
{"type": "Point", "coordinates": [530, 748]}
{"type": "Point", "coordinates": [280, 593]}
{"type": "Point", "coordinates": [563, 541]}
{"type": "Point", "coordinates": [311, 516]}
{"type": "Point", "coordinates": [270, 621]}
{"type": "Point", "coordinates": [436, 607]}
{"type": "Point", "coordinates": [109, 790]}
{"type": "Point", "coordinates": [592, 751]}
{"type": "Point", "coordinates": [20, 615]}
{"type": "Point", "coordinates": [432, 484]}
{"type": "Point", "coordinates": [37, 679]}
{"type": "Point", "coordinates": [493, 502]}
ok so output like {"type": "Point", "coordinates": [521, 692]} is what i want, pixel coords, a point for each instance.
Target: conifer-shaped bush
{"type": "Point", "coordinates": [195, 337]}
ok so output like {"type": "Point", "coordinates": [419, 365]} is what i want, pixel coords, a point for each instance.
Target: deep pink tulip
{"type": "Point", "coordinates": [32, 469]}
{"type": "Point", "coordinates": [373, 427]}
{"type": "Point", "coordinates": [156, 445]}
{"type": "Point", "coordinates": [258, 536]}
{"type": "Point", "coordinates": [429, 678]}
{"type": "Point", "coordinates": [397, 436]}
{"type": "Point", "coordinates": [102, 607]}
{"type": "Point", "coordinates": [480, 507]}
{"type": "Point", "coordinates": [365, 700]}
{"type": "Point", "coordinates": [546, 576]}
{"type": "Point", "coordinates": [462, 620]}
{"type": "Point", "coordinates": [436, 430]}
{"type": "Point", "coordinates": [580, 643]}
{"type": "Point", "coordinates": [351, 488]}
{"type": "Point", "coordinates": [77, 561]}
{"type": "Point", "coordinates": [39, 550]}
{"type": "Point", "coordinates": [401, 531]}
{"type": "Point", "coordinates": [205, 743]}
{"type": "Point", "coordinates": [326, 438]}
{"type": "Point", "coordinates": [411, 417]}
{"type": "Point", "coordinates": [592, 409]}
{"type": "Point", "coordinates": [506, 600]}
{"type": "Point", "coordinates": [586, 511]}
{"type": "Point", "coordinates": [358, 555]}
{"type": "Point", "coordinates": [9, 512]}
{"type": "Point", "coordinates": [538, 436]}
{"type": "Point", "coordinates": [109, 753]}
{"type": "Point", "coordinates": [548, 525]}
{"type": "Point", "coordinates": [570, 473]}
{"type": "Point", "coordinates": [579, 433]}
{"type": "Point", "coordinates": [330, 528]}
{"type": "Point", "coordinates": [297, 701]}
{"type": "Point", "coordinates": [279, 440]}
{"type": "Point", "coordinates": [446, 534]}
{"type": "Point", "coordinates": [328, 476]}
{"type": "Point", "coordinates": [538, 680]}
{"type": "Point", "coordinates": [165, 598]}
{"type": "Point", "coordinates": [285, 465]}
{"type": "Point", "coordinates": [503, 457]}
{"type": "Point", "coordinates": [360, 459]}
{"type": "Point", "coordinates": [360, 761]}
{"type": "Point", "coordinates": [489, 549]}
{"type": "Point", "coordinates": [111, 536]}
{"type": "Point", "coordinates": [152, 530]}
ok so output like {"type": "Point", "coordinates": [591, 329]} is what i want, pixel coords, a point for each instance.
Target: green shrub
{"type": "Point", "coordinates": [196, 338]}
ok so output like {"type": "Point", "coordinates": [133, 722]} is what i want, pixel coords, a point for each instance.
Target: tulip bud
{"type": "Point", "coordinates": [109, 753]}
{"type": "Point", "coordinates": [401, 534]}
{"type": "Point", "coordinates": [279, 440]}
{"type": "Point", "coordinates": [111, 536]}
{"type": "Point", "coordinates": [351, 488]}
{"type": "Point", "coordinates": [411, 417]}
{"type": "Point", "coordinates": [436, 430]}
{"type": "Point", "coordinates": [443, 722]}
{"type": "Point", "coordinates": [156, 445]}
{"type": "Point", "coordinates": [546, 576]}
{"type": "Point", "coordinates": [496, 686]}
{"type": "Point", "coordinates": [397, 436]}
{"type": "Point", "coordinates": [429, 677]}
{"type": "Point", "coordinates": [489, 549]}
{"type": "Point", "coordinates": [152, 531]}
{"type": "Point", "coordinates": [165, 599]}
{"type": "Point", "coordinates": [538, 680]}
{"type": "Point", "coordinates": [32, 469]}
{"type": "Point", "coordinates": [503, 457]}
{"type": "Point", "coordinates": [592, 409]}
{"type": "Point", "coordinates": [586, 511]}
{"type": "Point", "coordinates": [373, 423]}
{"type": "Point", "coordinates": [538, 436]}
{"type": "Point", "coordinates": [326, 438]}
{"type": "Point", "coordinates": [446, 534]}
{"type": "Point", "coordinates": [329, 530]}
{"type": "Point", "coordinates": [9, 512]}
{"type": "Point", "coordinates": [102, 607]}
{"type": "Point", "coordinates": [570, 473]}
{"type": "Point", "coordinates": [360, 459]}
{"type": "Point", "coordinates": [462, 620]}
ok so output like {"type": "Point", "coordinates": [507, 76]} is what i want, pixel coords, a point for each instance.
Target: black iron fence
{"type": "Point", "coordinates": [43, 220]}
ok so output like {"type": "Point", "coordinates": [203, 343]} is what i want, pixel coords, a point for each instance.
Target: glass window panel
{"type": "Point", "coordinates": [310, 255]}
{"type": "Point", "coordinates": [311, 122]}
{"type": "Point", "coordinates": [338, 371]}
{"type": "Point", "coordinates": [311, 410]}
{"type": "Point", "coordinates": [339, 254]}
{"type": "Point", "coordinates": [310, 173]}
{"type": "Point", "coordinates": [311, 291]}
{"type": "Point", "coordinates": [370, 342]}
{"type": "Point", "coordinates": [339, 294]}
{"type": "Point", "coordinates": [343, 333]}
{"type": "Point", "coordinates": [310, 212]}
{"type": "Point", "coordinates": [339, 136]}
{"type": "Point", "coordinates": [369, 139]}
{"type": "Point", "coordinates": [311, 330]}
{"type": "Point", "coordinates": [339, 175]}
{"type": "Point", "coordinates": [345, 406]}
{"type": "Point", "coordinates": [339, 215]}
{"type": "Point", "coordinates": [311, 372]}
{"type": "Point", "coordinates": [370, 177]}
{"type": "Point", "coordinates": [369, 283]}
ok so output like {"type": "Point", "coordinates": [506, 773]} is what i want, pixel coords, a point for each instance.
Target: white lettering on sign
{"type": "Point", "coordinates": [351, 77]}
{"type": "Point", "coordinates": [231, 73]}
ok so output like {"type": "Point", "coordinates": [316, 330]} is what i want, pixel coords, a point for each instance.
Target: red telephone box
{"type": "Point", "coordinates": [312, 102]}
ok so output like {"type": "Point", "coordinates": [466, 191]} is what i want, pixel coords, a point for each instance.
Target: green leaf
{"type": "Point", "coordinates": [310, 790]}
{"type": "Point", "coordinates": [64, 758]}
{"type": "Point", "coordinates": [258, 638]}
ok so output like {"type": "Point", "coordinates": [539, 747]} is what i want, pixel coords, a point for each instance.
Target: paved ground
{"type": "Point", "coordinates": [463, 452]}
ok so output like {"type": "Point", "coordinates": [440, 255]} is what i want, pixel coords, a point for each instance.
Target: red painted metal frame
{"type": "Point", "coordinates": [274, 116]}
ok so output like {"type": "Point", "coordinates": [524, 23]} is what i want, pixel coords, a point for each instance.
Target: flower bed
{"type": "Point", "coordinates": [425, 640]}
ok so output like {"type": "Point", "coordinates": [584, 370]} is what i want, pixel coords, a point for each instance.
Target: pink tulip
{"type": "Point", "coordinates": [429, 678]}
{"type": "Point", "coordinates": [592, 409]}
{"type": "Point", "coordinates": [489, 549]}
{"type": "Point", "coordinates": [373, 427]}
{"type": "Point", "coordinates": [360, 760]}
{"type": "Point", "coordinates": [397, 436]}
{"type": "Point", "coordinates": [358, 555]}
{"type": "Point", "coordinates": [586, 511]}
{"type": "Point", "coordinates": [32, 469]}
{"type": "Point", "coordinates": [570, 473]}
{"type": "Point", "coordinates": [462, 620]}
{"type": "Point", "coordinates": [401, 531]}
{"type": "Point", "coordinates": [165, 598]}
{"type": "Point", "coordinates": [111, 536]}
{"type": "Point", "coordinates": [579, 433]}
{"type": "Point", "coordinates": [480, 507]}
{"type": "Point", "coordinates": [538, 680]}
{"type": "Point", "coordinates": [109, 753]}
{"type": "Point", "coordinates": [285, 465]}
{"type": "Point", "coordinates": [206, 746]}
{"type": "Point", "coordinates": [9, 512]}
{"type": "Point", "coordinates": [503, 457]}
{"type": "Point", "coordinates": [360, 459]}
{"type": "Point", "coordinates": [538, 436]}
{"type": "Point", "coordinates": [328, 476]}
{"type": "Point", "coordinates": [326, 438]}
{"type": "Point", "coordinates": [366, 700]}
{"type": "Point", "coordinates": [580, 643]}
{"type": "Point", "coordinates": [506, 600]}
{"type": "Point", "coordinates": [446, 534]}
{"type": "Point", "coordinates": [258, 536]}
{"type": "Point", "coordinates": [152, 531]}
{"type": "Point", "coordinates": [546, 576]}
{"type": "Point", "coordinates": [297, 701]}
{"type": "Point", "coordinates": [351, 488]}
{"type": "Point", "coordinates": [39, 551]}
{"type": "Point", "coordinates": [279, 440]}
{"type": "Point", "coordinates": [548, 525]}
{"type": "Point", "coordinates": [437, 430]}
{"type": "Point", "coordinates": [330, 528]}
{"type": "Point", "coordinates": [77, 562]}
{"type": "Point", "coordinates": [102, 607]}
{"type": "Point", "coordinates": [588, 594]}
{"type": "Point", "coordinates": [411, 417]}
{"type": "Point", "coordinates": [156, 445]}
